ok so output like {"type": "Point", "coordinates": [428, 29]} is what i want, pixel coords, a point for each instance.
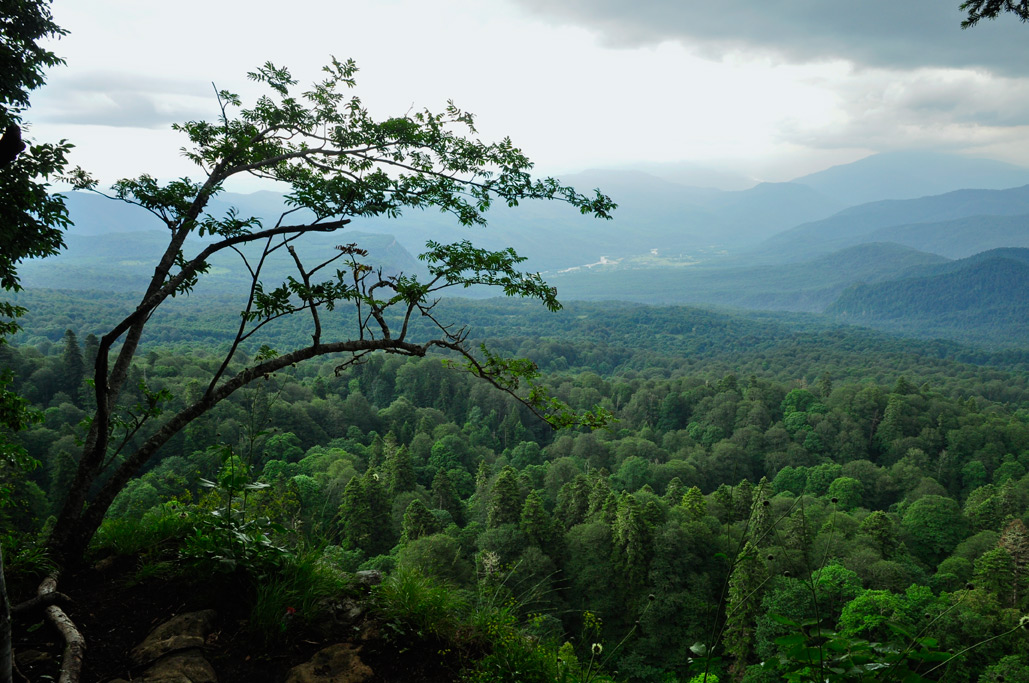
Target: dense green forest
{"type": "Point", "coordinates": [774, 496]}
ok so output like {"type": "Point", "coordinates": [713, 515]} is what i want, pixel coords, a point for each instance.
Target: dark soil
{"type": "Point", "coordinates": [115, 610]}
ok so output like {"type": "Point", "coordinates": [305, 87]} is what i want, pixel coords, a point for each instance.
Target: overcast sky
{"type": "Point", "coordinates": [768, 89]}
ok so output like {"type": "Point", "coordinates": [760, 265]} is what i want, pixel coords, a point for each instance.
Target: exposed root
{"type": "Point", "coordinates": [74, 643]}
{"type": "Point", "coordinates": [43, 600]}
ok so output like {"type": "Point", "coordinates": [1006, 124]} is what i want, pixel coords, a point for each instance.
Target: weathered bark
{"type": "Point", "coordinates": [6, 673]}
{"type": "Point", "coordinates": [39, 601]}
{"type": "Point", "coordinates": [74, 643]}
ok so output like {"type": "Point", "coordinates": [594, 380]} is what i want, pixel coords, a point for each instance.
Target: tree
{"type": "Point", "coordinates": [991, 9]}
{"type": "Point", "coordinates": [418, 522]}
{"type": "Point", "coordinates": [72, 368]}
{"type": "Point", "coordinates": [399, 469]}
{"type": "Point", "coordinates": [748, 576]}
{"type": "Point", "coordinates": [935, 525]}
{"type": "Point", "coordinates": [340, 164]}
{"type": "Point", "coordinates": [506, 499]}
{"type": "Point", "coordinates": [31, 224]}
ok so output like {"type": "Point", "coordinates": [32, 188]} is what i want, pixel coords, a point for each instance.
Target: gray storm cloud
{"type": "Point", "coordinates": [901, 34]}
{"type": "Point", "coordinates": [121, 100]}
{"type": "Point", "coordinates": [915, 78]}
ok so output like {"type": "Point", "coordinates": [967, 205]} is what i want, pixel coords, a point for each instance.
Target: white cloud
{"type": "Point", "coordinates": [765, 89]}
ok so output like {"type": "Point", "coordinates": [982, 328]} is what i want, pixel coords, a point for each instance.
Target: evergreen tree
{"type": "Point", "coordinates": [995, 573]}
{"type": "Point", "coordinates": [632, 545]}
{"type": "Point", "coordinates": [694, 503]}
{"type": "Point", "coordinates": [380, 508]}
{"type": "Point", "coordinates": [600, 492]}
{"type": "Point", "coordinates": [537, 524]}
{"type": "Point", "coordinates": [72, 366]}
{"type": "Point", "coordinates": [825, 384]}
{"type": "Point", "coordinates": [609, 511]}
{"type": "Point", "coordinates": [743, 607]}
{"type": "Point", "coordinates": [761, 513]}
{"type": "Point", "coordinates": [444, 497]}
{"type": "Point", "coordinates": [1015, 540]}
{"type": "Point", "coordinates": [354, 516]}
{"type": "Point", "coordinates": [797, 537]}
{"type": "Point", "coordinates": [398, 467]}
{"type": "Point", "coordinates": [505, 504]}
{"type": "Point", "coordinates": [365, 514]}
{"type": "Point", "coordinates": [91, 347]}
{"type": "Point", "coordinates": [573, 501]}
{"type": "Point", "coordinates": [418, 521]}
{"type": "Point", "coordinates": [673, 492]}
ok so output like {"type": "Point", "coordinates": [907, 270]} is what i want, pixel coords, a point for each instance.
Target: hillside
{"type": "Point", "coordinates": [977, 300]}
{"type": "Point", "coordinates": [122, 262]}
{"type": "Point", "coordinates": [858, 224]}
{"type": "Point", "coordinates": [961, 237]}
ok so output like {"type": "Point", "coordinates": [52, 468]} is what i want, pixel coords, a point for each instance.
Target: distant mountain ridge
{"type": "Point", "coordinates": [977, 298]}
{"type": "Point", "coordinates": [860, 223]}
{"type": "Point", "coordinates": [124, 262]}
{"type": "Point", "coordinates": [911, 174]}
{"type": "Point", "coordinates": [791, 246]}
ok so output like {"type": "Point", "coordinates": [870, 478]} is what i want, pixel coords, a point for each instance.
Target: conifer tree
{"type": "Point", "coordinates": [694, 503]}
{"type": "Point", "coordinates": [743, 607]}
{"type": "Point", "coordinates": [537, 525]}
{"type": "Point", "coordinates": [995, 572]}
{"type": "Point", "coordinates": [354, 516]}
{"type": "Point", "coordinates": [72, 366]}
{"type": "Point", "coordinates": [444, 497]}
{"type": "Point", "coordinates": [1015, 540]}
{"type": "Point", "coordinates": [797, 537]}
{"type": "Point", "coordinates": [380, 507]}
{"type": "Point", "coordinates": [609, 511]}
{"type": "Point", "coordinates": [599, 494]}
{"type": "Point", "coordinates": [505, 504]}
{"type": "Point", "coordinates": [365, 515]}
{"type": "Point", "coordinates": [399, 469]}
{"type": "Point", "coordinates": [418, 521]}
{"type": "Point", "coordinates": [674, 492]}
{"type": "Point", "coordinates": [761, 513]}
{"type": "Point", "coordinates": [573, 501]}
{"type": "Point", "coordinates": [632, 544]}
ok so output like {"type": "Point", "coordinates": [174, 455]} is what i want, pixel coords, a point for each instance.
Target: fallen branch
{"type": "Point", "coordinates": [74, 643]}
{"type": "Point", "coordinates": [44, 600]}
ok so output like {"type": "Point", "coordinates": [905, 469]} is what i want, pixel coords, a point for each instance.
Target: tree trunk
{"type": "Point", "coordinates": [6, 671]}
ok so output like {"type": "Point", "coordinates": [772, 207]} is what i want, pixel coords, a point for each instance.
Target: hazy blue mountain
{"type": "Point", "coordinates": [961, 237]}
{"type": "Point", "coordinates": [123, 262]}
{"type": "Point", "coordinates": [655, 217]}
{"type": "Point", "coordinates": [981, 298]}
{"type": "Point", "coordinates": [865, 223]}
{"type": "Point", "coordinates": [552, 235]}
{"type": "Point", "coordinates": [768, 208]}
{"type": "Point", "coordinates": [912, 174]}
{"type": "Point", "coordinates": [808, 286]}
{"type": "Point", "coordinates": [695, 175]}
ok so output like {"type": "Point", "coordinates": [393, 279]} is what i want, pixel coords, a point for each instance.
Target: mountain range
{"type": "Point", "coordinates": [904, 261]}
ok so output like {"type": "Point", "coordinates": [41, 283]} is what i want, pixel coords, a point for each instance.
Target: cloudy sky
{"type": "Point", "coordinates": [768, 89]}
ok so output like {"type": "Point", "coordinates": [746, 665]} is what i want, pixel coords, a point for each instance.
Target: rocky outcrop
{"type": "Point", "coordinates": [173, 652]}
{"type": "Point", "coordinates": [335, 664]}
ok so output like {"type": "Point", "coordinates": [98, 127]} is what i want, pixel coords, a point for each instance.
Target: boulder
{"type": "Point", "coordinates": [182, 632]}
{"type": "Point", "coordinates": [188, 666]}
{"type": "Point", "coordinates": [335, 664]}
